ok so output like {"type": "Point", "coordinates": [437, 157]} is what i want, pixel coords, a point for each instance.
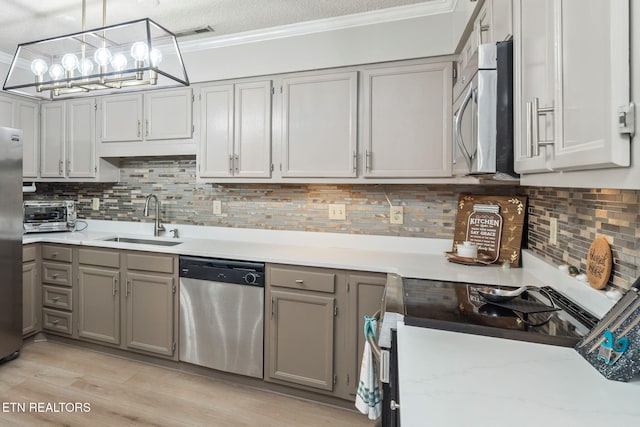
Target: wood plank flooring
{"type": "Point", "coordinates": [127, 393]}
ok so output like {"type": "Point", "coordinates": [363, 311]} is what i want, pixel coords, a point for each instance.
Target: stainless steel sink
{"type": "Point", "coordinates": [142, 241]}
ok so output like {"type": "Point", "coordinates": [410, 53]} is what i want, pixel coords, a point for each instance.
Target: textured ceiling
{"type": "Point", "coordinates": [28, 20]}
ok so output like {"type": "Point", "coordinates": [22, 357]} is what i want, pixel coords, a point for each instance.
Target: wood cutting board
{"type": "Point", "coordinates": [599, 263]}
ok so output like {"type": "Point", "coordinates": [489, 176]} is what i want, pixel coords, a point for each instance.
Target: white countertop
{"type": "Point", "coordinates": [405, 256]}
{"type": "Point", "coordinates": [454, 379]}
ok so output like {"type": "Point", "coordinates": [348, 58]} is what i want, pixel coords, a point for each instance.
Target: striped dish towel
{"type": "Point", "coordinates": [368, 399]}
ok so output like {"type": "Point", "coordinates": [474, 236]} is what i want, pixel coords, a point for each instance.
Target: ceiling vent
{"type": "Point", "coordinates": [194, 31]}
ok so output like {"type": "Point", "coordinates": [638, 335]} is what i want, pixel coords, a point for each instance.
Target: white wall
{"type": "Point", "coordinates": [411, 38]}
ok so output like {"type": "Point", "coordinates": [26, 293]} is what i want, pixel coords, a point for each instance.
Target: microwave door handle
{"type": "Point", "coordinates": [458, 127]}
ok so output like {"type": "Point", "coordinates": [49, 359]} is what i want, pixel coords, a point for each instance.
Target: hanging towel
{"type": "Point", "coordinates": [368, 395]}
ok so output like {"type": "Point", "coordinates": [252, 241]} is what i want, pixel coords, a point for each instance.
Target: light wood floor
{"type": "Point", "coordinates": [128, 393]}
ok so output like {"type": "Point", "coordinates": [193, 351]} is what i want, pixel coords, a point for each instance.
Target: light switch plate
{"type": "Point", "coordinates": [217, 207]}
{"type": "Point", "coordinates": [337, 211]}
{"type": "Point", "coordinates": [95, 204]}
{"type": "Point", "coordinates": [553, 231]}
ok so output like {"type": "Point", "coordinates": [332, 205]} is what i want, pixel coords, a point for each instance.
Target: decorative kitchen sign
{"type": "Point", "coordinates": [599, 263]}
{"type": "Point", "coordinates": [494, 224]}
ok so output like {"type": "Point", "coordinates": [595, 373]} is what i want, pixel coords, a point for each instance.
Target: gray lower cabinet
{"type": "Point", "coordinates": [128, 299]}
{"type": "Point", "coordinates": [365, 291]}
{"type": "Point", "coordinates": [150, 312]}
{"type": "Point", "coordinates": [314, 337]}
{"type": "Point", "coordinates": [301, 338]}
{"type": "Point", "coordinates": [99, 304]}
{"type": "Point", "coordinates": [31, 306]}
{"type": "Point", "coordinates": [57, 289]}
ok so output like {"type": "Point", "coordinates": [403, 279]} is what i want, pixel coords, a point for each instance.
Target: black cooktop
{"type": "Point", "coordinates": [456, 306]}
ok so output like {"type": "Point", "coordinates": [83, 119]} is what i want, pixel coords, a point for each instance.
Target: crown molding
{"type": "Point", "coordinates": [433, 7]}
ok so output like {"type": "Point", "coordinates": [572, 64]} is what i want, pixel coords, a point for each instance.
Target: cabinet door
{"type": "Point", "coordinates": [7, 106]}
{"type": "Point", "coordinates": [30, 298]}
{"type": "Point", "coordinates": [168, 114]}
{"type": "Point", "coordinates": [215, 157]}
{"type": "Point", "coordinates": [407, 121]}
{"type": "Point", "coordinates": [27, 120]}
{"type": "Point", "coordinates": [300, 345]}
{"type": "Point", "coordinates": [319, 130]}
{"type": "Point", "coordinates": [252, 133]}
{"type": "Point", "coordinates": [99, 304]}
{"type": "Point", "coordinates": [52, 143]}
{"type": "Point", "coordinates": [365, 299]}
{"type": "Point", "coordinates": [121, 118]}
{"type": "Point", "coordinates": [534, 84]}
{"type": "Point", "coordinates": [150, 312]}
{"type": "Point", "coordinates": [593, 81]}
{"type": "Point", "coordinates": [81, 138]}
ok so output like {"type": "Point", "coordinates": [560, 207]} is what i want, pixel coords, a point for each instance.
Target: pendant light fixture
{"type": "Point", "coordinates": [110, 58]}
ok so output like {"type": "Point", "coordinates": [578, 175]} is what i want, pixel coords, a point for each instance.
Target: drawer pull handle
{"type": "Point", "coordinates": [299, 281]}
{"type": "Point", "coordinates": [55, 322]}
{"type": "Point", "coordinates": [55, 275]}
{"type": "Point", "coordinates": [54, 254]}
{"type": "Point", "coordinates": [55, 299]}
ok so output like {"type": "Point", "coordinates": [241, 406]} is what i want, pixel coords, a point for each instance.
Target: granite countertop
{"type": "Point", "coordinates": [455, 379]}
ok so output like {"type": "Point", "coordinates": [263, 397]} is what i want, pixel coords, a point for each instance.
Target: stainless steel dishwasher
{"type": "Point", "coordinates": [222, 314]}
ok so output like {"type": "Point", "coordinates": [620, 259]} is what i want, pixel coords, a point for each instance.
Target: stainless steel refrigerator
{"type": "Point", "coordinates": [10, 243]}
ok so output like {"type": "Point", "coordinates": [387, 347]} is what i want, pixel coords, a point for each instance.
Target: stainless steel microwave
{"type": "Point", "coordinates": [483, 115]}
{"type": "Point", "coordinates": [40, 216]}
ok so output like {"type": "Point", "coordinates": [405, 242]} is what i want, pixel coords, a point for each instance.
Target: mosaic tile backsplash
{"type": "Point", "coordinates": [429, 211]}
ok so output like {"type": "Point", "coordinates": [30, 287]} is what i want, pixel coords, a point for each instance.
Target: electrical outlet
{"type": "Point", "coordinates": [396, 215]}
{"type": "Point", "coordinates": [337, 211]}
{"type": "Point", "coordinates": [553, 231]}
{"type": "Point", "coordinates": [217, 207]}
{"type": "Point", "coordinates": [95, 203]}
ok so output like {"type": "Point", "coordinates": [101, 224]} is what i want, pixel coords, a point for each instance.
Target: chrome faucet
{"type": "Point", "coordinates": [158, 225]}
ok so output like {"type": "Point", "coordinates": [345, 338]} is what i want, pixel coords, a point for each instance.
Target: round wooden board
{"type": "Point", "coordinates": [599, 263]}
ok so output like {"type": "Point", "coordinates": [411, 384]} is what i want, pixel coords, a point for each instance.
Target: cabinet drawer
{"type": "Point", "coordinates": [99, 257]}
{"type": "Point", "coordinates": [55, 320]}
{"type": "Point", "coordinates": [53, 296]}
{"type": "Point", "coordinates": [28, 253]}
{"type": "Point", "coordinates": [56, 273]}
{"type": "Point", "coordinates": [56, 253]}
{"type": "Point", "coordinates": [150, 262]}
{"type": "Point", "coordinates": [310, 279]}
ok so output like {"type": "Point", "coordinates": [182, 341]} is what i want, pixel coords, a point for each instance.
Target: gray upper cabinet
{"type": "Point", "coordinates": [319, 125]}
{"type": "Point", "coordinates": [236, 130]}
{"type": "Point", "coordinates": [22, 113]}
{"type": "Point", "coordinates": [564, 121]}
{"type": "Point", "coordinates": [158, 122]}
{"type": "Point", "coordinates": [407, 122]}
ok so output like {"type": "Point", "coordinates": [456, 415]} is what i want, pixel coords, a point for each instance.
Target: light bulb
{"type": "Point", "coordinates": [70, 62]}
{"type": "Point", "coordinates": [119, 61]}
{"type": "Point", "coordinates": [139, 51]}
{"type": "Point", "coordinates": [85, 67]}
{"type": "Point", "coordinates": [56, 71]}
{"type": "Point", "coordinates": [39, 67]}
{"type": "Point", "coordinates": [102, 56]}
{"type": "Point", "coordinates": [155, 57]}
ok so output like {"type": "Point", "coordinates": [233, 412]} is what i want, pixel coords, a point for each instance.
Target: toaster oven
{"type": "Point", "coordinates": [40, 216]}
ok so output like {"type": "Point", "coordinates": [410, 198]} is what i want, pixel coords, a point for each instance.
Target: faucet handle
{"type": "Point", "coordinates": [175, 233]}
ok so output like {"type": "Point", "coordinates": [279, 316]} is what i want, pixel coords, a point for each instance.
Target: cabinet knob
{"type": "Point", "coordinates": [55, 322]}
{"type": "Point", "coordinates": [55, 275]}
{"type": "Point", "coordinates": [299, 281]}
{"type": "Point", "coordinates": [55, 299]}
{"type": "Point", "coordinates": [393, 405]}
